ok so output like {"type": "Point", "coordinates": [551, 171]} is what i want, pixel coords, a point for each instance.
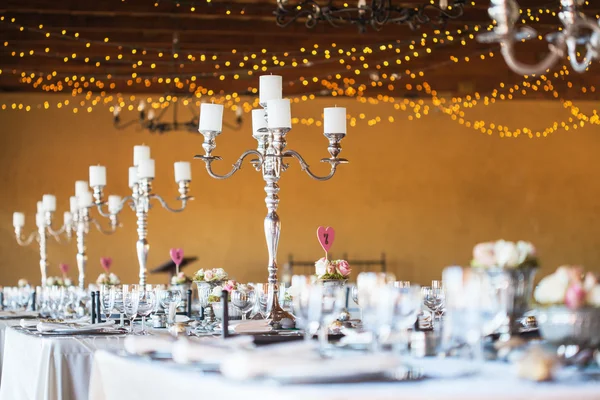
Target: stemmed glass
{"type": "Point", "coordinates": [243, 301]}
{"type": "Point", "coordinates": [433, 298]}
{"type": "Point", "coordinates": [301, 306]}
{"type": "Point", "coordinates": [131, 302]}
{"type": "Point", "coordinates": [331, 299]}
{"type": "Point", "coordinates": [371, 300]}
{"type": "Point", "coordinates": [146, 306]}
{"type": "Point", "coordinates": [107, 293]}
{"type": "Point", "coordinates": [170, 300]}
{"type": "Point", "coordinates": [404, 308]}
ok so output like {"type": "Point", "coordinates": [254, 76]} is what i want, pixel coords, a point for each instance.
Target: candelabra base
{"type": "Point", "coordinates": [277, 314]}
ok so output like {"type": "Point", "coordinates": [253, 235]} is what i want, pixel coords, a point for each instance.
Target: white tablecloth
{"type": "Point", "coordinates": [115, 377]}
{"type": "Point", "coordinates": [4, 325]}
{"type": "Point", "coordinates": [49, 368]}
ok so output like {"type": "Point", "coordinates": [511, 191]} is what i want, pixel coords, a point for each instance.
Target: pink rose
{"type": "Point", "coordinates": [343, 268]}
{"type": "Point", "coordinates": [229, 286]}
{"type": "Point", "coordinates": [208, 275]}
{"type": "Point", "coordinates": [483, 255]}
{"type": "Point", "coordinates": [575, 296]}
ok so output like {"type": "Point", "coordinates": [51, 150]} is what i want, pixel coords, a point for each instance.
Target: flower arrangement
{"type": "Point", "coordinates": [332, 270]}
{"type": "Point", "coordinates": [568, 286]}
{"type": "Point", "coordinates": [210, 275]}
{"type": "Point", "coordinates": [58, 281]}
{"type": "Point", "coordinates": [229, 286]}
{"type": "Point", "coordinates": [504, 254]}
{"type": "Point", "coordinates": [108, 279]}
{"type": "Point", "coordinates": [22, 283]}
{"type": "Point", "coordinates": [180, 279]}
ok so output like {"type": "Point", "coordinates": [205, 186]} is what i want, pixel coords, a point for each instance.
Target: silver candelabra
{"type": "Point", "coordinates": [141, 177]}
{"type": "Point", "coordinates": [44, 228]}
{"type": "Point", "coordinates": [560, 44]}
{"type": "Point", "coordinates": [270, 154]}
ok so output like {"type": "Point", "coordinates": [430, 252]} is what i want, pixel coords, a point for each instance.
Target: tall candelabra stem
{"type": "Point", "coordinates": [81, 231]}
{"type": "Point", "coordinates": [42, 237]}
{"type": "Point", "coordinates": [141, 212]}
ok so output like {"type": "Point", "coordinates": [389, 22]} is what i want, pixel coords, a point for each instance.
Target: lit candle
{"type": "Point", "coordinates": [258, 121]}
{"type": "Point", "coordinates": [211, 117]}
{"type": "Point", "coordinates": [114, 203]}
{"type": "Point", "coordinates": [97, 175]}
{"type": "Point", "coordinates": [49, 203]}
{"type": "Point", "coordinates": [145, 169]}
{"type": "Point", "coordinates": [183, 171]}
{"type": "Point", "coordinates": [140, 153]}
{"type": "Point", "coordinates": [81, 187]}
{"type": "Point", "coordinates": [40, 207]}
{"type": "Point", "coordinates": [269, 88]}
{"type": "Point", "coordinates": [85, 200]}
{"type": "Point", "coordinates": [39, 220]}
{"type": "Point", "coordinates": [73, 204]}
{"type": "Point", "coordinates": [133, 178]}
{"type": "Point", "coordinates": [334, 120]}
{"type": "Point", "coordinates": [67, 218]}
{"type": "Point", "coordinates": [280, 115]}
{"type": "Point", "coordinates": [18, 220]}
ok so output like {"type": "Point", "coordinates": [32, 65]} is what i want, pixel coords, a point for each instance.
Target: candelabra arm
{"type": "Point", "coordinates": [305, 167]}
{"type": "Point", "coordinates": [593, 46]}
{"type": "Point", "coordinates": [56, 234]}
{"type": "Point", "coordinates": [164, 204]}
{"type": "Point", "coordinates": [113, 226]}
{"type": "Point", "coordinates": [25, 242]}
{"type": "Point", "coordinates": [236, 166]}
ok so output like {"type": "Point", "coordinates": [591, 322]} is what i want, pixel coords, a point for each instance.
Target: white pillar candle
{"type": "Point", "coordinates": [49, 203]}
{"type": "Point", "coordinates": [40, 207]}
{"type": "Point", "coordinates": [334, 120]}
{"type": "Point", "coordinates": [269, 87]}
{"type": "Point", "coordinates": [146, 169]}
{"type": "Point", "coordinates": [85, 200]}
{"type": "Point", "coordinates": [258, 121]}
{"type": "Point", "coordinates": [18, 220]}
{"type": "Point", "coordinates": [211, 117]}
{"type": "Point", "coordinates": [39, 220]}
{"type": "Point", "coordinates": [81, 187]}
{"type": "Point", "coordinates": [73, 204]}
{"type": "Point", "coordinates": [114, 202]}
{"type": "Point", "coordinates": [133, 178]}
{"type": "Point", "coordinates": [183, 171]}
{"type": "Point", "coordinates": [67, 218]}
{"type": "Point", "coordinates": [280, 114]}
{"type": "Point", "coordinates": [140, 153]}
{"type": "Point", "coordinates": [97, 175]}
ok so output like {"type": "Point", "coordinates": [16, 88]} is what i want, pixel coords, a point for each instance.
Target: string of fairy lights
{"type": "Point", "coordinates": [375, 60]}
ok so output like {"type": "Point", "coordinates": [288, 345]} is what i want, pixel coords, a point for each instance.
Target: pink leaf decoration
{"type": "Point", "coordinates": [326, 237]}
{"type": "Point", "coordinates": [64, 268]}
{"type": "Point", "coordinates": [106, 263]}
{"type": "Point", "coordinates": [575, 297]}
{"type": "Point", "coordinates": [177, 256]}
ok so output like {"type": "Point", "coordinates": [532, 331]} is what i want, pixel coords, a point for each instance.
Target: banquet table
{"type": "Point", "coordinates": [115, 376]}
{"type": "Point", "coordinates": [49, 368]}
{"type": "Point", "coordinates": [4, 325]}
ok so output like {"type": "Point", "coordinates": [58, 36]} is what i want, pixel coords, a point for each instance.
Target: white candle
{"type": "Point", "coordinates": [114, 203]}
{"type": "Point", "coordinates": [146, 169]}
{"type": "Point", "coordinates": [39, 220]}
{"type": "Point", "coordinates": [334, 120]}
{"type": "Point", "coordinates": [85, 200]}
{"type": "Point", "coordinates": [40, 207]}
{"type": "Point", "coordinates": [140, 153]}
{"type": "Point", "coordinates": [97, 175]}
{"type": "Point", "coordinates": [73, 204]}
{"type": "Point", "coordinates": [211, 117]}
{"type": "Point", "coordinates": [67, 218]}
{"type": "Point", "coordinates": [183, 171]}
{"type": "Point", "coordinates": [269, 88]}
{"type": "Point", "coordinates": [258, 121]}
{"type": "Point", "coordinates": [133, 178]}
{"type": "Point", "coordinates": [49, 203]}
{"type": "Point", "coordinates": [18, 220]}
{"type": "Point", "coordinates": [81, 187]}
{"type": "Point", "coordinates": [280, 114]}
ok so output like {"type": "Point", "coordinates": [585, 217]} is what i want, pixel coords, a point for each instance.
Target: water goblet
{"type": "Point", "coordinates": [433, 299]}
{"type": "Point", "coordinates": [107, 295]}
{"type": "Point", "coordinates": [131, 301]}
{"type": "Point", "coordinates": [243, 301]}
{"type": "Point", "coordinates": [170, 300]}
{"type": "Point", "coordinates": [147, 305]}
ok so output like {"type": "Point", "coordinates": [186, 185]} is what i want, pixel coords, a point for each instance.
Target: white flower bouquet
{"type": "Point", "coordinates": [504, 254]}
{"type": "Point", "coordinates": [326, 270]}
{"type": "Point", "coordinates": [568, 286]}
{"type": "Point", "coordinates": [210, 275]}
{"type": "Point", "coordinates": [108, 279]}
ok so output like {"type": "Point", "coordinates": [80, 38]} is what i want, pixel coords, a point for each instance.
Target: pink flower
{"type": "Point", "coordinates": [229, 286]}
{"type": "Point", "coordinates": [484, 255]}
{"type": "Point", "coordinates": [208, 275]}
{"type": "Point", "coordinates": [343, 268]}
{"type": "Point", "coordinates": [64, 268]}
{"type": "Point", "coordinates": [575, 296]}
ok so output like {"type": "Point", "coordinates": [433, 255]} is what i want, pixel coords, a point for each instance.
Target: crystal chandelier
{"type": "Point", "coordinates": [374, 14]}
{"type": "Point", "coordinates": [578, 33]}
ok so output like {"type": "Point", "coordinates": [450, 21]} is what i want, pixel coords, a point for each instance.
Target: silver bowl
{"type": "Point", "coordinates": [560, 325]}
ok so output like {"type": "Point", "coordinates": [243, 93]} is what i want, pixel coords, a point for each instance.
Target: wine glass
{"type": "Point", "coordinates": [170, 300]}
{"type": "Point", "coordinates": [243, 301]}
{"type": "Point", "coordinates": [402, 284]}
{"type": "Point", "coordinates": [433, 298]}
{"type": "Point", "coordinates": [331, 299]}
{"type": "Point", "coordinates": [372, 302]}
{"type": "Point", "coordinates": [146, 306]}
{"type": "Point", "coordinates": [300, 304]}
{"type": "Point", "coordinates": [405, 303]}
{"type": "Point", "coordinates": [107, 293]}
{"type": "Point", "coordinates": [131, 301]}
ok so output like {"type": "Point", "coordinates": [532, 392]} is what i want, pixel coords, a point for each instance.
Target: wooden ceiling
{"type": "Point", "coordinates": [98, 40]}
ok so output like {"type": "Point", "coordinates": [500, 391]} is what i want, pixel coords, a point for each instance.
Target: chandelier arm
{"type": "Point", "coordinates": [305, 167]}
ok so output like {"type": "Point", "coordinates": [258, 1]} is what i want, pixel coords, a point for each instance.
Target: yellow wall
{"type": "Point", "coordinates": [424, 191]}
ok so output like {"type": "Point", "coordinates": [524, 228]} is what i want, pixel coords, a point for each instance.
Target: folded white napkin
{"type": "Point", "coordinates": [149, 344]}
{"type": "Point", "coordinates": [28, 323]}
{"type": "Point", "coordinates": [252, 326]}
{"type": "Point", "coordinates": [18, 314]}
{"type": "Point", "coordinates": [353, 337]}
{"type": "Point", "coordinates": [208, 350]}
{"type": "Point", "coordinates": [57, 327]}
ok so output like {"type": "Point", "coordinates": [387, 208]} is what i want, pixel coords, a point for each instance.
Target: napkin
{"type": "Point", "coordinates": [18, 314]}
{"type": "Point", "coordinates": [148, 344]}
{"type": "Point", "coordinates": [252, 326]}
{"type": "Point", "coordinates": [353, 337]}
{"type": "Point", "coordinates": [208, 350]}
{"type": "Point", "coordinates": [28, 323]}
{"type": "Point", "coordinates": [56, 327]}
